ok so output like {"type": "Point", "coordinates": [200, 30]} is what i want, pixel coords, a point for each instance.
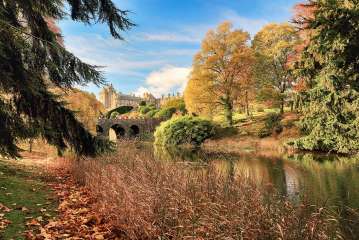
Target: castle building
{"type": "Point", "coordinates": [108, 97]}
{"type": "Point", "coordinates": [111, 99]}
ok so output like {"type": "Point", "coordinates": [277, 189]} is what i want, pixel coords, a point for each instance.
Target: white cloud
{"type": "Point", "coordinates": [251, 25]}
{"type": "Point", "coordinates": [119, 57]}
{"type": "Point", "coordinates": [166, 80]}
{"type": "Point", "coordinates": [113, 55]}
{"type": "Point", "coordinates": [195, 33]}
{"type": "Point", "coordinates": [171, 37]}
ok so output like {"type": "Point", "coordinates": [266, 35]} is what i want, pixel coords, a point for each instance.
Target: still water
{"type": "Point", "coordinates": [323, 180]}
{"type": "Point", "coordinates": [328, 181]}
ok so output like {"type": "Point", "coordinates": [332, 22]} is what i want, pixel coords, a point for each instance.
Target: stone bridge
{"type": "Point", "coordinates": [127, 127]}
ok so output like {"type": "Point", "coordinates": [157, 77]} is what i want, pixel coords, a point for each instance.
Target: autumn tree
{"type": "Point", "coordinates": [331, 61]}
{"type": "Point", "coordinates": [274, 45]}
{"type": "Point", "coordinates": [303, 14]}
{"type": "Point", "coordinates": [177, 103]}
{"type": "Point", "coordinates": [32, 60]}
{"type": "Point", "coordinates": [197, 95]}
{"type": "Point", "coordinates": [220, 70]}
{"type": "Point", "coordinates": [86, 107]}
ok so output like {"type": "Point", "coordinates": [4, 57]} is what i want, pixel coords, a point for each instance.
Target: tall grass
{"type": "Point", "coordinates": [146, 198]}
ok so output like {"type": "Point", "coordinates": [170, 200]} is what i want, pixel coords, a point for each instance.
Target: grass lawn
{"type": "Point", "coordinates": [253, 124]}
{"type": "Point", "coordinates": [23, 191]}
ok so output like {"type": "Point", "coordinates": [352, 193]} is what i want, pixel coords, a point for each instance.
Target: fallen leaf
{"type": "Point", "coordinates": [33, 222]}
{"type": "Point", "coordinates": [24, 209]}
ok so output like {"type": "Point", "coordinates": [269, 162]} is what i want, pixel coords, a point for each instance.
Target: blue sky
{"type": "Point", "coordinates": [157, 54]}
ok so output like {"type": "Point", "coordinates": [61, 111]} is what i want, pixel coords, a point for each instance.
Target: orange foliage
{"type": "Point", "coordinates": [55, 29]}
{"type": "Point", "coordinates": [303, 13]}
{"type": "Point", "coordinates": [300, 86]}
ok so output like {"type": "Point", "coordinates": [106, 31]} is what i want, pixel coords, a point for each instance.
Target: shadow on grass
{"type": "Point", "coordinates": [26, 194]}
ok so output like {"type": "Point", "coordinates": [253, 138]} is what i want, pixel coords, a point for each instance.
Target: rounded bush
{"type": "Point", "coordinates": [271, 124]}
{"type": "Point", "coordinates": [184, 130]}
{"type": "Point", "coordinates": [114, 115]}
{"type": "Point", "coordinates": [144, 109]}
{"type": "Point", "coordinates": [165, 113]}
{"type": "Point", "coordinates": [152, 113]}
{"type": "Point", "coordinates": [273, 120]}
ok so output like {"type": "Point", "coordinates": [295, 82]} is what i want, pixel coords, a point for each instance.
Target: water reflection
{"type": "Point", "coordinates": [317, 179]}
{"type": "Point", "coordinates": [321, 180]}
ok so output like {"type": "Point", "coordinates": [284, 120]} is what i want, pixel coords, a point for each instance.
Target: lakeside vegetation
{"type": "Point", "coordinates": [292, 87]}
{"type": "Point", "coordinates": [174, 200]}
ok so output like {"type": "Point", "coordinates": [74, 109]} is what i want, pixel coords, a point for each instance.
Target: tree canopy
{"type": "Point", "coordinates": [32, 61]}
{"type": "Point", "coordinates": [85, 105]}
{"type": "Point", "coordinates": [221, 69]}
{"type": "Point", "coordinates": [330, 62]}
{"type": "Point", "coordinates": [274, 46]}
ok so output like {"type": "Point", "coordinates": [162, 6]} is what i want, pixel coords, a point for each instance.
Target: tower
{"type": "Point", "coordinates": [108, 97]}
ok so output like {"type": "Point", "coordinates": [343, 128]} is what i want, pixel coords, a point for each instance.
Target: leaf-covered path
{"type": "Point", "coordinates": [40, 200]}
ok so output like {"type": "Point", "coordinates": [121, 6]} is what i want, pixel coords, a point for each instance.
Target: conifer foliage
{"type": "Point", "coordinates": [32, 61]}
{"type": "Point", "coordinates": [331, 61]}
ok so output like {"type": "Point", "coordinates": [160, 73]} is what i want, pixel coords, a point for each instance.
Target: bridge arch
{"type": "Point", "coordinates": [134, 130]}
{"type": "Point", "coordinates": [99, 130]}
{"type": "Point", "coordinates": [114, 129]}
{"type": "Point", "coordinates": [119, 130]}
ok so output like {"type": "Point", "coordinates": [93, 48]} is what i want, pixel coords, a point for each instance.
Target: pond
{"type": "Point", "coordinates": [322, 180]}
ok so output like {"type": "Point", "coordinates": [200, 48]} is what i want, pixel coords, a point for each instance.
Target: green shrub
{"type": "Point", "coordinates": [273, 120]}
{"type": "Point", "coordinates": [120, 110]}
{"type": "Point", "coordinates": [272, 123]}
{"type": "Point", "coordinates": [152, 113]}
{"type": "Point", "coordinates": [177, 103]}
{"type": "Point", "coordinates": [182, 130]}
{"type": "Point", "coordinates": [165, 113]}
{"type": "Point", "coordinates": [278, 129]}
{"type": "Point", "coordinates": [222, 132]}
{"type": "Point", "coordinates": [142, 103]}
{"type": "Point", "coordinates": [114, 115]}
{"type": "Point", "coordinates": [144, 109]}
{"type": "Point", "coordinates": [264, 132]}
{"type": "Point", "coordinates": [260, 109]}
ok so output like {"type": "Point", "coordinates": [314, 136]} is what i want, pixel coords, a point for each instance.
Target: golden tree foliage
{"type": "Point", "coordinates": [88, 109]}
{"type": "Point", "coordinates": [274, 46]}
{"type": "Point", "coordinates": [197, 95]}
{"type": "Point", "coordinates": [221, 71]}
{"type": "Point", "coordinates": [177, 103]}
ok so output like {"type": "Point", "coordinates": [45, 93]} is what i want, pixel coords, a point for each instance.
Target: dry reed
{"type": "Point", "coordinates": [147, 198]}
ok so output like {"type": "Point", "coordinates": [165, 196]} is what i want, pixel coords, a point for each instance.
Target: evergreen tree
{"type": "Point", "coordinates": [331, 62]}
{"type": "Point", "coordinates": [32, 61]}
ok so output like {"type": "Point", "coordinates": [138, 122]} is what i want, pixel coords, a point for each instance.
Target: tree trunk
{"type": "Point", "coordinates": [228, 110]}
{"type": "Point", "coordinates": [31, 141]}
{"type": "Point", "coordinates": [281, 105]}
{"type": "Point", "coordinates": [247, 103]}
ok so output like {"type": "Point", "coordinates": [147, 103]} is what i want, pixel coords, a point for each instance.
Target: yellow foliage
{"type": "Point", "coordinates": [222, 71]}
{"type": "Point", "coordinates": [86, 106]}
{"type": "Point", "coordinates": [177, 103]}
{"type": "Point", "coordinates": [275, 48]}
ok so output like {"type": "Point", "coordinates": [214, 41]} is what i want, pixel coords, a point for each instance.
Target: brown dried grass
{"type": "Point", "coordinates": [146, 198]}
